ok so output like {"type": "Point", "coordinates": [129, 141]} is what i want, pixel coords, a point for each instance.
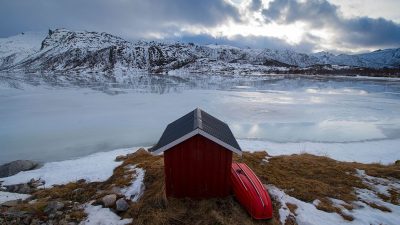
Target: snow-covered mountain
{"type": "Point", "coordinates": [15, 49]}
{"type": "Point", "coordinates": [64, 51]}
{"type": "Point", "coordinates": [389, 58]}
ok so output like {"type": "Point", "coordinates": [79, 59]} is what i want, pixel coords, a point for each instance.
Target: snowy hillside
{"type": "Point", "coordinates": [14, 49]}
{"type": "Point", "coordinates": [376, 59]}
{"type": "Point", "coordinates": [69, 51]}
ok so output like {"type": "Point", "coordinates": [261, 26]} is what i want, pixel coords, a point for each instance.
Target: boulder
{"type": "Point", "coordinates": [109, 200]}
{"type": "Point", "coordinates": [120, 158]}
{"type": "Point", "coordinates": [11, 203]}
{"type": "Point", "coordinates": [116, 190]}
{"type": "Point", "coordinates": [15, 167]}
{"type": "Point", "coordinates": [19, 188]}
{"type": "Point", "coordinates": [36, 183]}
{"type": "Point", "coordinates": [53, 207]}
{"type": "Point", "coordinates": [122, 205]}
{"type": "Point", "coordinates": [78, 191]}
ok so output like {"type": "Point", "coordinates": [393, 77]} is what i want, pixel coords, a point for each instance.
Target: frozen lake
{"type": "Point", "coordinates": [345, 118]}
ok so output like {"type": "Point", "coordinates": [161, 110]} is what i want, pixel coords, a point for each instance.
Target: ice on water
{"type": "Point", "coordinates": [56, 122]}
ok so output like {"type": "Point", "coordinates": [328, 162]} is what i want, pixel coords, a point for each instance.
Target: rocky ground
{"type": "Point", "coordinates": [305, 189]}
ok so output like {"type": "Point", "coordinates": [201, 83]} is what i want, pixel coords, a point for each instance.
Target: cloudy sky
{"type": "Point", "coordinates": [302, 25]}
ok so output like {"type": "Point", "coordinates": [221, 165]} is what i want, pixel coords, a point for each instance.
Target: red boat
{"type": "Point", "coordinates": [250, 192]}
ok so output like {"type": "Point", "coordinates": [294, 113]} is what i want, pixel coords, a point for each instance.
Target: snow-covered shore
{"type": "Point", "coordinates": [8, 196]}
{"type": "Point", "coordinates": [100, 166]}
{"type": "Point", "coordinates": [93, 168]}
{"type": "Point", "coordinates": [383, 151]}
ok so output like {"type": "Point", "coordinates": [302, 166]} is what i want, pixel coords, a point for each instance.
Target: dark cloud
{"type": "Point", "coordinates": [255, 5]}
{"type": "Point", "coordinates": [371, 32]}
{"type": "Point", "coordinates": [360, 31]}
{"type": "Point", "coordinates": [315, 12]}
{"type": "Point", "coordinates": [130, 17]}
{"type": "Point", "coordinates": [138, 19]}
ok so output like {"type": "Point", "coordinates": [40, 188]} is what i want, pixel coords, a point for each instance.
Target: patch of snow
{"type": "Point", "coordinates": [365, 214]}
{"type": "Point", "coordinates": [379, 185]}
{"type": "Point", "coordinates": [266, 159]}
{"type": "Point", "coordinates": [284, 213]}
{"type": "Point", "coordinates": [102, 216]}
{"type": "Point", "coordinates": [316, 202]}
{"type": "Point", "coordinates": [93, 168]}
{"type": "Point", "coordinates": [136, 189]}
{"type": "Point", "coordinates": [21, 45]}
{"type": "Point", "coordinates": [381, 151]}
{"type": "Point", "coordinates": [308, 214]}
{"type": "Point", "coordinates": [337, 202]}
{"type": "Point", "coordinates": [8, 196]}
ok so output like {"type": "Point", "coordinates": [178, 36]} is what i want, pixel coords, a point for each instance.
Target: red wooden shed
{"type": "Point", "coordinates": [197, 156]}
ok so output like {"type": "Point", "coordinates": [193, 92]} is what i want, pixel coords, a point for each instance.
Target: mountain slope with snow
{"type": "Point", "coordinates": [376, 59]}
{"type": "Point", "coordinates": [64, 51]}
{"type": "Point", "coordinates": [16, 48]}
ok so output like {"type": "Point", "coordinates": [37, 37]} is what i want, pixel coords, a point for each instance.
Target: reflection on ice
{"type": "Point", "coordinates": [323, 131]}
{"type": "Point", "coordinates": [336, 91]}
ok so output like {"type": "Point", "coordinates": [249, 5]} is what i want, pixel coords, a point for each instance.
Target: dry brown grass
{"type": "Point", "coordinates": [292, 208]}
{"type": "Point", "coordinates": [80, 192]}
{"type": "Point", "coordinates": [379, 170]}
{"type": "Point", "coordinates": [327, 206]}
{"type": "Point", "coordinates": [376, 206]}
{"type": "Point", "coordinates": [394, 196]}
{"type": "Point", "coordinates": [305, 177]}
{"type": "Point", "coordinates": [36, 209]}
{"type": "Point", "coordinates": [309, 177]}
{"type": "Point", "coordinates": [61, 193]}
{"type": "Point", "coordinates": [154, 208]}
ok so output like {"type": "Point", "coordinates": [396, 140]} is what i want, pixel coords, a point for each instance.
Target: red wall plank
{"type": "Point", "coordinates": [197, 168]}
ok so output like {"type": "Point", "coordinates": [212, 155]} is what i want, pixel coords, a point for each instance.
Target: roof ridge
{"type": "Point", "coordinates": [197, 123]}
{"type": "Point", "coordinates": [199, 118]}
{"type": "Point", "coordinates": [193, 123]}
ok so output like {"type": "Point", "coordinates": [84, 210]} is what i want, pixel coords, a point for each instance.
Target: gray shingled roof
{"type": "Point", "coordinates": [197, 122]}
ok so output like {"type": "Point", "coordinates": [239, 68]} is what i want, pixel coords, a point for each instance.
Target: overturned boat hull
{"type": "Point", "coordinates": [250, 192]}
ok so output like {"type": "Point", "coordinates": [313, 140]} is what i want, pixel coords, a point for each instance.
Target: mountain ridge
{"type": "Point", "coordinates": [65, 51]}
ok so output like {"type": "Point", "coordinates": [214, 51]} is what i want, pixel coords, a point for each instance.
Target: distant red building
{"type": "Point", "coordinates": [197, 156]}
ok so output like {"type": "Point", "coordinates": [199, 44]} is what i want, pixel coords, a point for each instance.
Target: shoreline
{"type": "Point", "coordinates": [382, 151]}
